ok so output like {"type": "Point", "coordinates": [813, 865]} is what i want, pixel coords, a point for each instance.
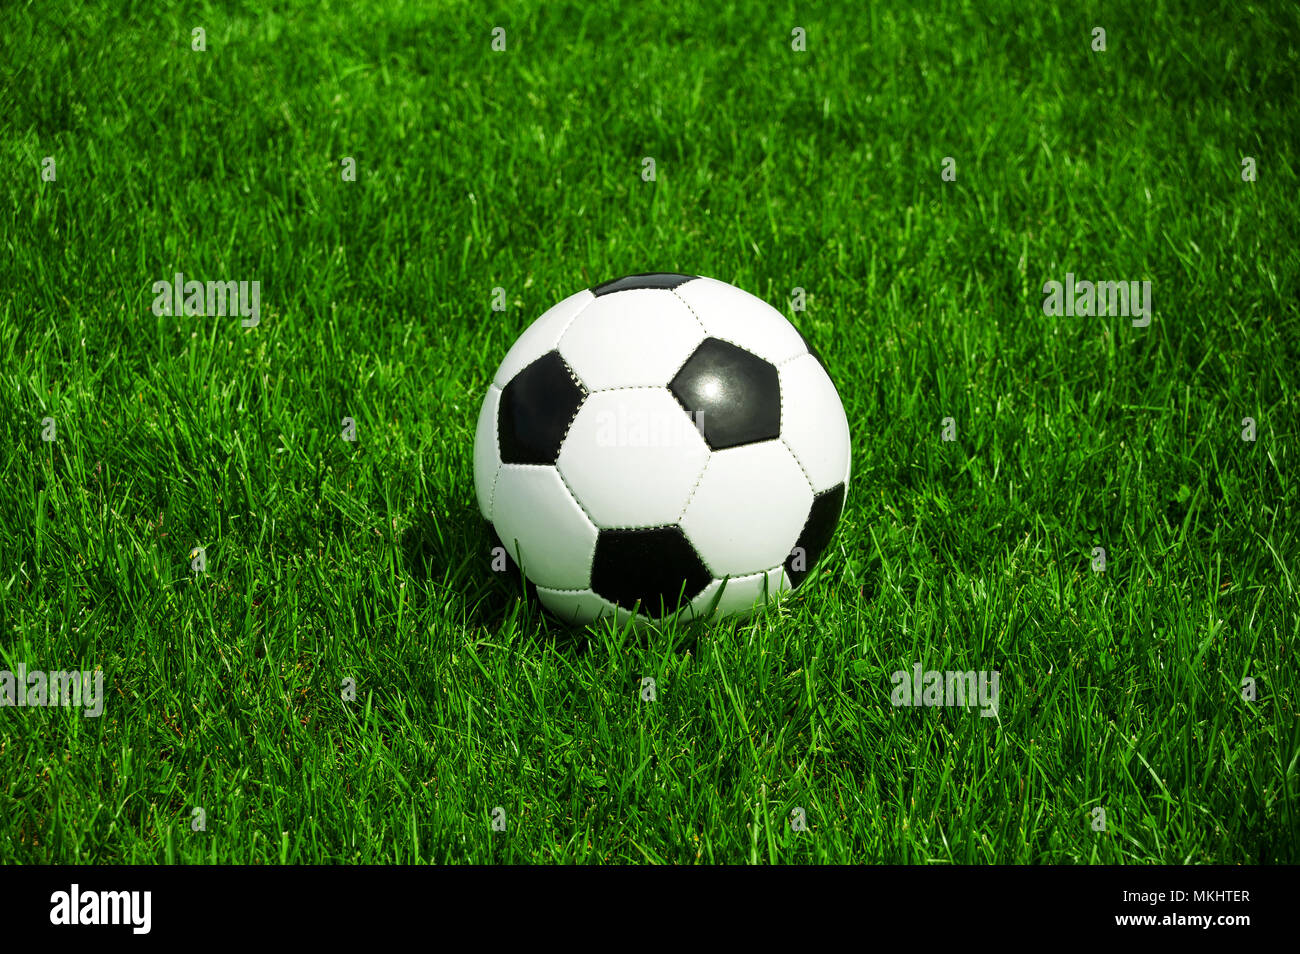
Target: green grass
{"type": "Point", "coordinates": [330, 560]}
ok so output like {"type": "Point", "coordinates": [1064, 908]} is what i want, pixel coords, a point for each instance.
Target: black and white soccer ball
{"type": "Point", "coordinates": [662, 444]}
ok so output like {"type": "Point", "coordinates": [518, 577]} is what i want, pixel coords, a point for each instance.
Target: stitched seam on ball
{"type": "Point", "coordinates": [708, 334]}
{"type": "Point", "coordinates": [556, 345]}
{"type": "Point", "coordinates": [690, 354]}
{"type": "Point", "coordinates": [636, 387]}
{"type": "Point", "coordinates": [496, 432]}
{"type": "Point", "coordinates": [806, 354]}
{"type": "Point", "coordinates": [678, 370]}
{"type": "Point", "coordinates": [806, 476]}
{"type": "Point", "coordinates": [569, 324]}
{"type": "Point", "coordinates": [573, 494]}
{"type": "Point", "coordinates": [703, 327]}
{"type": "Point", "coordinates": [573, 376]}
{"type": "Point", "coordinates": [689, 498]}
{"type": "Point", "coordinates": [496, 444]}
{"type": "Point", "coordinates": [568, 427]}
{"type": "Point", "coordinates": [588, 514]}
{"type": "Point", "coordinates": [780, 396]}
{"type": "Point", "coordinates": [492, 494]}
{"type": "Point", "coordinates": [736, 344]}
{"type": "Point", "coordinates": [642, 526]}
{"type": "Point", "coordinates": [591, 563]}
{"type": "Point", "coordinates": [596, 523]}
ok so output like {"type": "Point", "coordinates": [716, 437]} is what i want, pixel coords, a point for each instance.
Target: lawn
{"type": "Point", "coordinates": [344, 678]}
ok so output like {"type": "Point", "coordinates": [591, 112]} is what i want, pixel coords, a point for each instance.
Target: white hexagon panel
{"type": "Point", "coordinates": [632, 457]}
{"type": "Point", "coordinates": [747, 512]}
{"type": "Point", "coordinates": [542, 527]}
{"type": "Point", "coordinates": [637, 338]}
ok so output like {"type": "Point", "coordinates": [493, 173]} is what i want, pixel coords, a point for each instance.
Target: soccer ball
{"type": "Point", "coordinates": [661, 445]}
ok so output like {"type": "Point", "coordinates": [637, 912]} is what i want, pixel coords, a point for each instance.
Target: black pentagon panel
{"type": "Point", "coordinates": [656, 567]}
{"type": "Point", "coordinates": [734, 395]}
{"type": "Point", "coordinates": [537, 407]}
{"type": "Point", "coordinates": [648, 280]}
{"type": "Point", "coordinates": [818, 529]}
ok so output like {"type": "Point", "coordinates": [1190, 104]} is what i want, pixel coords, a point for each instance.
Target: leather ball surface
{"type": "Point", "coordinates": [662, 444]}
